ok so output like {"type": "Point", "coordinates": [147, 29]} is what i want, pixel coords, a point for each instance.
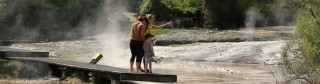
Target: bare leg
{"type": "Point", "coordinates": [146, 67]}
{"type": "Point", "coordinates": [138, 66]}
{"type": "Point", "coordinates": [150, 67]}
{"type": "Point", "coordinates": [131, 67]}
{"type": "Point", "coordinates": [144, 64]}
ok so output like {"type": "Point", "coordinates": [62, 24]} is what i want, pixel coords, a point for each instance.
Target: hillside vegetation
{"type": "Point", "coordinates": [305, 45]}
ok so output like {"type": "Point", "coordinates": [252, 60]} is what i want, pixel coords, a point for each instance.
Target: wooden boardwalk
{"type": "Point", "coordinates": [11, 52]}
{"type": "Point", "coordinates": [112, 73]}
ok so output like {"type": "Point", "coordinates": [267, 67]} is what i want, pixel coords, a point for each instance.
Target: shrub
{"type": "Point", "coordinates": [307, 40]}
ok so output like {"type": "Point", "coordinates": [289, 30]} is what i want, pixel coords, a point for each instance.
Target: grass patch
{"type": "Point", "coordinates": [74, 80]}
{"type": "Point", "coordinates": [162, 31]}
{"type": "Point", "coordinates": [179, 45]}
{"type": "Point", "coordinates": [10, 69]}
{"type": "Point", "coordinates": [220, 37]}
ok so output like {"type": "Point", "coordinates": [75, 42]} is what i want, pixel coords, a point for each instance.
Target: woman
{"type": "Point", "coordinates": [136, 42]}
{"type": "Point", "coordinates": [148, 43]}
{"type": "Point", "coordinates": [151, 26]}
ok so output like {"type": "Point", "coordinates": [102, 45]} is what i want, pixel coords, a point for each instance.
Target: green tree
{"type": "Point", "coordinates": [225, 14]}
{"type": "Point", "coordinates": [185, 6]}
{"type": "Point", "coordinates": [164, 9]}
{"type": "Point", "coordinates": [155, 7]}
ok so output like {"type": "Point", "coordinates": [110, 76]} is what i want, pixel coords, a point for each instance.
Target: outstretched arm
{"type": "Point", "coordinates": [163, 25]}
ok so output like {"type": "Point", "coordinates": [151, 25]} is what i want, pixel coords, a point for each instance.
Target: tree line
{"type": "Point", "coordinates": [45, 16]}
{"type": "Point", "coordinates": [220, 14]}
{"type": "Point", "coordinates": [28, 18]}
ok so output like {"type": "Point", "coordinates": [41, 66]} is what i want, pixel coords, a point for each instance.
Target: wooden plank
{"type": "Point", "coordinates": [11, 52]}
{"type": "Point", "coordinates": [34, 40]}
{"type": "Point", "coordinates": [154, 77]}
{"type": "Point", "coordinates": [106, 71]}
{"type": "Point", "coordinates": [73, 64]}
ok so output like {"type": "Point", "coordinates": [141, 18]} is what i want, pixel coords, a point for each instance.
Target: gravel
{"type": "Point", "coordinates": [186, 36]}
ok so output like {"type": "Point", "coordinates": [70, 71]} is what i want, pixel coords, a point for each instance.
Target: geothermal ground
{"type": "Point", "coordinates": [196, 56]}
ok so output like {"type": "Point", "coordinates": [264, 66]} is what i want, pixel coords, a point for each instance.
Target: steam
{"type": "Point", "coordinates": [22, 32]}
{"type": "Point", "coordinates": [283, 16]}
{"type": "Point", "coordinates": [113, 27]}
{"type": "Point", "coordinates": [29, 34]}
{"type": "Point", "coordinates": [108, 22]}
{"type": "Point", "coordinates": [252, 16]}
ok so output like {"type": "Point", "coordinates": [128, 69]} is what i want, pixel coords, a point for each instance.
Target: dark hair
{"type": "Point", "coordinates": [141, 18]}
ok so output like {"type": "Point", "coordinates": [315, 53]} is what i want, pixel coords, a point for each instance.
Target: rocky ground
{"type": "Point", "coordinates": [196, 56]}
{"type": "Point", "coordinates": [184, 36]}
